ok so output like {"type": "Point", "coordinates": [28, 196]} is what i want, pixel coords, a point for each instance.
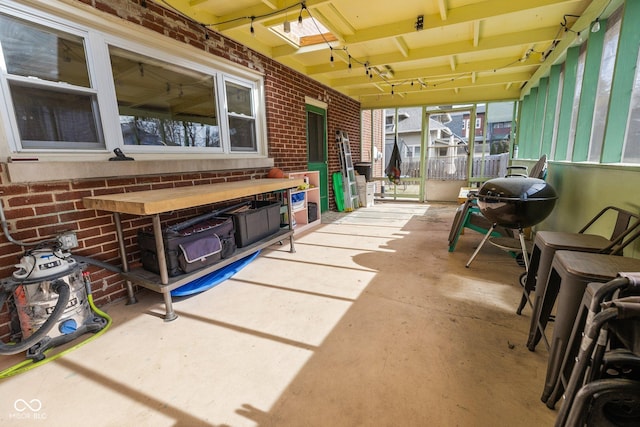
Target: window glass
{"type": "Point", "coordinates": [30, 50]}
{"type": "Point", "coordinates": [554, 141]}
{"type": "Point", "coordinates": [604, 85]}
{"type": "Point", "coordinates": [49, 86]}
{"type": "Point", "coordinates": [576, 101]}
{"type": "Point", "coordinates": [631, 152]}
{"type": "Point", "coordinates": [163, 104]}
{"type": "Point", "coordinates": [242, 121]}
{"type": "Point", "coordinates": [499, 121]}
{"type": "Point", "coordinates": [48, 116]}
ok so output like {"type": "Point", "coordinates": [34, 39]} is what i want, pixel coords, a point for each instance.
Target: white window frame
{"type": "Point", "coordinates": [227, 114]}
{"type": "Point", "coordinates": [98, 34]}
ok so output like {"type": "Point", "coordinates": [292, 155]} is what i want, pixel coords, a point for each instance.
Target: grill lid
{"type": "Point", "coordinates": [516, 202]}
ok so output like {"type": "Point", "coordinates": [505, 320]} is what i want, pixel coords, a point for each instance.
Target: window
{"type": "Point", "coordinates": [54, 103]}
{"type": "Point", "coordinates": [163, 104]}
{"type": "Point", "coordinates": [242, 120]}
{"type": "Point", "coordinates": [554, 140]}
{"type": "Point", "coordinates": [604, 85]}
{"type": "Point", "coordinates": [576, 101]}
{"type": "Point", "coordinates": [631, 152]}
{"type": "Point", "coordinates": [412, 151]}
{"type": "Point", "coordinates": [54, 77]}
{"type": "Point", "coordinates": [389, 124]}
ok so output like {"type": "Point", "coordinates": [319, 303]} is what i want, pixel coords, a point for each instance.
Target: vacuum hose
{"type": "Point", "coordinates": [64, 292]}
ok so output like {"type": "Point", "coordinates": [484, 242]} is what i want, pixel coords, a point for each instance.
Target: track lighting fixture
{"type": "Point", "coordinates": [419, 25]}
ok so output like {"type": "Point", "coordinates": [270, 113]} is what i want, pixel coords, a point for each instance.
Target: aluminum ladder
{"type": "Point", "coordinates": [350, 187]}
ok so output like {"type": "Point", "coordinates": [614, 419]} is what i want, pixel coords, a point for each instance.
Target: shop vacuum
{"type": "Point", "coordinates": [50, 303]}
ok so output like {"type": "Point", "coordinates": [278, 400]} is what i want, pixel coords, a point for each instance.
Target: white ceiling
{"type": "Point", "coordinates": [468, 50]}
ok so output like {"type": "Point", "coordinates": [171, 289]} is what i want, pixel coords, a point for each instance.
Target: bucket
{"type": "Point", "coordinates": [35, 302]}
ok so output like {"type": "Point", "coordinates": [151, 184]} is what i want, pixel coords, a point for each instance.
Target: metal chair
{"type": "Point", "coordinates": [592, 398]}
{"type": "Point", "coordinates": [546, 243]}
{"type": "Point", "coordinates": [468, 216]}
{"type": "Point", "coordinates": [594, 296]}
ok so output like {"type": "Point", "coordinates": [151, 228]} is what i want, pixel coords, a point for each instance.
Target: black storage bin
{"type": "Point", "coordinates": [190, 245]}
{"type": "Point", "coordinates": [363, 169]}
{"type": "Point", "coordinates": [312, 211]}
{"type": "Point", "coordinates": [262, 219]}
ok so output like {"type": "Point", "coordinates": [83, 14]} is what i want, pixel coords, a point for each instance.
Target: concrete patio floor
{"type": "Point", "coordinates": [371, 322]}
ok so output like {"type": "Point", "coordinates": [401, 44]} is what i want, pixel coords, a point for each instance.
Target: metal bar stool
{"type": "Point", "coordinates": [546, 243]}
{"type": "Point", "coordinates": [570, 273]}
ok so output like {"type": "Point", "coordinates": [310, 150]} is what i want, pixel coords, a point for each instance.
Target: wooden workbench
{"type": "Point", "coordinates": [155, 202]}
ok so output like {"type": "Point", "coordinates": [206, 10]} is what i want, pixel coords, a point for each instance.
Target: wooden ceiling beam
{"type": "Point", "coordinates": [466, 81]}
{"type": "Point", "coordinates": [441, 72]}
{"type": "Point", "coordinates": [542, 35]}
{"type": "Point", "coordinates": [464, 14]}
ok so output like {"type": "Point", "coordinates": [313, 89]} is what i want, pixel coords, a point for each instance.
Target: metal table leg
{"type": "Point", "coordinates": [131, 298]}
{"type": "Point", "coordinates": [162, 265]}
{"type": "Point", "coordinates": [292, 248]}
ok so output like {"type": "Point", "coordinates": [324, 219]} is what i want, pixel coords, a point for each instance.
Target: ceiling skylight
{"type": "Point", "coordinates": [307, 32]}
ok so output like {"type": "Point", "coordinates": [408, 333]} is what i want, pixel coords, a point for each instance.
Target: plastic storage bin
{"type": "Point", "coordinates": [262, 219]}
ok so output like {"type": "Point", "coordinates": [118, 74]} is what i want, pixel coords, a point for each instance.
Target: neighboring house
{"type": "Point", "coordinates": [409, 131]}
{"type": "Point", "coordinates": [497, 122]}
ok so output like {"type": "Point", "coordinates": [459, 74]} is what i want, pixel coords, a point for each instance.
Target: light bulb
{"type": "Point", "coordinates": [596, 26]}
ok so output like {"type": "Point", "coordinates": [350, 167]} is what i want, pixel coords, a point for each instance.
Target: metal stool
{"type": "Point", "coordinates": [546, 243]}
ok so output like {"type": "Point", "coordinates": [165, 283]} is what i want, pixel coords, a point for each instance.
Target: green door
{"type": "Point", "coordinates": [317, 149]}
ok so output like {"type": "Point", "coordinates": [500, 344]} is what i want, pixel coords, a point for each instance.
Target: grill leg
{"type": "Point", "coordinates": [524, 249]}
{"type": "Point", "coordinates": [484, 239]}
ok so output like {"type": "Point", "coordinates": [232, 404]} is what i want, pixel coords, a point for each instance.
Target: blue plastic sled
{"type": "Point", "coordinates": [212, 279]}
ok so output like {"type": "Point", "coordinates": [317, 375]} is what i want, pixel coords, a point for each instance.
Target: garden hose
{"type": "Point", "coordinates": [30, 364]}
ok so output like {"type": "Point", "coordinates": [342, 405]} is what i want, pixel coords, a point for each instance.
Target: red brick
{"type": "Point", "coordinates": [71, 195]}
{"type": "Point", "coordinates": [58, 207]}
{"type": "Point", "coordinates": [49, 187]}
{"type": "Point", "coordinates": [19, 213]}
{"type": "Point", "coordinates": [30, 199]}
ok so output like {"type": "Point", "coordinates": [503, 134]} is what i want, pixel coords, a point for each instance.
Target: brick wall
{"type": "Point", "coordinates": [37, 211]}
